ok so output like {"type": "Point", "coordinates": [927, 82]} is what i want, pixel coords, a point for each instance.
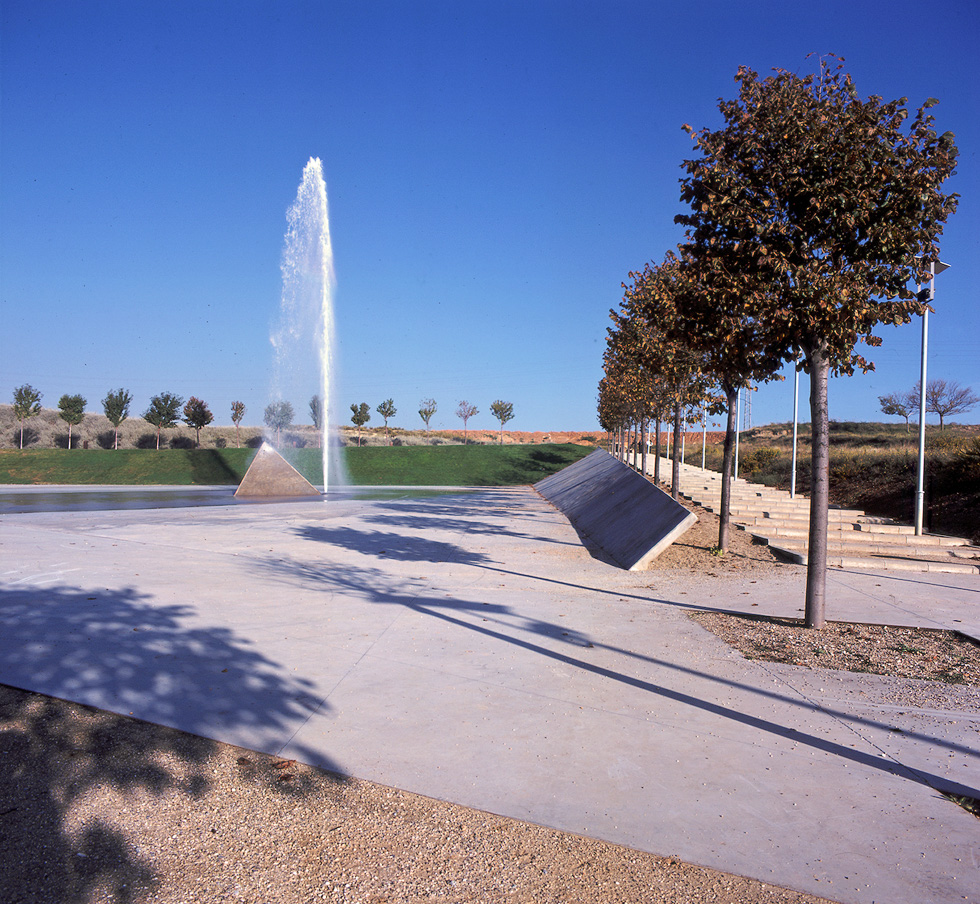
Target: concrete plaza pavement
{"type": "Point", "coordinates": [466, 647]}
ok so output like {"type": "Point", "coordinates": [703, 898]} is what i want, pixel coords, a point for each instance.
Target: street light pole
{"type": "Point", "coordinates": [796, 418]}
{"type": "Point", "coordinates": [920, 491]}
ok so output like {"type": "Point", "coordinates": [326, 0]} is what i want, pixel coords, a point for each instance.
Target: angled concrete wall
{"type": "Point", "coordinates": [616, 510]}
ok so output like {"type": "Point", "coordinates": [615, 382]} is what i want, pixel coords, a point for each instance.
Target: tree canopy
{"type": "Point", "coordinates": [360, 415]}
{"type": "Point", "coordinates": [387, 410]}
{"type": "Point", "coordinates": [237, 416]}
{"type": "Point", "coordinates": [116, 407]}
{"type": "Point", "coordinates": [71, 409]}
{"type": "Point", "coordinates": [163, 412]}
{"type": "Point", "coordinates": [197, 415]}
{"type": "Point", "coordinates": [835, 205]}
{"type": "Point", "coordinates": [278, 416]}
{"type": "Point", "coordinates": [503, 412]}
{"type": "Point", "coordinates": [27, 404]}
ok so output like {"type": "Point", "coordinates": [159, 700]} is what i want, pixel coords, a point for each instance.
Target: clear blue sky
{"type": "Point", "coordinates": [495, 168]}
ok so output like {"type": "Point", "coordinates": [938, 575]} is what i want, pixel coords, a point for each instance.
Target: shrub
{"type": "Point", "coordinates": [945, 442]}
{"type": "Point", "coordinates": [967, 461]}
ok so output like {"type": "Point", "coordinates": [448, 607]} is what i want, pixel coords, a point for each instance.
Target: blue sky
{"type": "Point", "coordinates": [495, 169]}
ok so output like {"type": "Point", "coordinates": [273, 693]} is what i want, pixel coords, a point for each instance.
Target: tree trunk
{"type": "Point", "coordinates": [728, 455]}
{"type": "Point", "coordinates": [656, 459]}
{"type": "Point", "coordinates": [816, 570]}
{"type": "Point", "coordinates": [675, 472]}
{"type": "Point", "coordinates": [644, 429]}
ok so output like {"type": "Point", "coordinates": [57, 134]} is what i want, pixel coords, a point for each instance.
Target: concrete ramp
{"type": "Point", "coordinates": [615, 509]}
{"type": "Point", "coordinates": [271, 476]}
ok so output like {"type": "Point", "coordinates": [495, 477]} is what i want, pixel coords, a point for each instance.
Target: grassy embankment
{"type": "Point", "coordinates": [370, 466]}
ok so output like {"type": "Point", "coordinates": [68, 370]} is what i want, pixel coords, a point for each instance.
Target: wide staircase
{"type": "Point", "coordinates": [854, 539]}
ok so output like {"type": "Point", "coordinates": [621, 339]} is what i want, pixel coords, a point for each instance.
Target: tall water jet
{"type": "Point", "coordinates": [304, 334]}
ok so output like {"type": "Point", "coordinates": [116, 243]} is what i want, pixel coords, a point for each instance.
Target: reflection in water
{"type": "Point", "coordinates": [94, 499]}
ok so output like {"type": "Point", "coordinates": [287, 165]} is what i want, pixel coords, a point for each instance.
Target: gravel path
{"type": "Point", "coordinates": [98, 808]}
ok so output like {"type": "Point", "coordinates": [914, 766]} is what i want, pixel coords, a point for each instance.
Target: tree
{"type": "Point", "coordinates": [464, 412]}
{"type": "Point", "coordinates": [427, 408]}
{"type": "Point", "coordinates": [197, 415]}
{"type": "Point", "coordinates": [503, 412]}
{"type": "Point", "coordinates": [945, 399]}
{"type": "Point", "coordinates": [361, 415]}
{"type": "Point", "coordinates": [163, 412]}
{"type": "Point", "coordinates": [316, 415]}
{"type": "Point", "coordinates": [278, 417]}
{"type": "Point", "coordinates": [27, 404]}
{"type": "Point", "coordinates": [116, 407]}
{"type": "Point", "coordinates": [387, 410]}
{"type": "Point", "coordinates": [237, 416]}
{"type": "Point", "coordinates": [71, 409]}
{"type": "Point", "coordinates": [837, 204]}
{"type": "Point", "coordinates": [662, 372]}
{"type": "Point", "coordinates": [902, 404]}
{"type": "Point", "coordinates": [704, 308]}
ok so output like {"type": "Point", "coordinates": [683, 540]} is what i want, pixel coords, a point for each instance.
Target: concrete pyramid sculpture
{"type": "Point", "coordinates": [271, 476]}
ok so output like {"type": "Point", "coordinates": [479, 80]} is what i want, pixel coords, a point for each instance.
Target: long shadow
{"type": "Point", "coordinates": [378, 587]}
{"type": "Point", "coordinates": [391, 545]}
{"type": "Point", "coordinates": [426, 521]}
{"type": "Point", "coordinates": [895, 578]}
{"type": "Point", "coordinates": [117, 651]}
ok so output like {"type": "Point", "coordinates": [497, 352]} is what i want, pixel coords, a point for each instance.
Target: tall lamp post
{"type": "Point", "coordinates": [920, 492]}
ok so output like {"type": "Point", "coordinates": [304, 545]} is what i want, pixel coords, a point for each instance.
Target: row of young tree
{"type": "Point", "coordinates": [811, 211]}
{"type": "Point", "coordinates": [361, 414]}
{"type": "Point", "coordinates": [943, 398]}
{"type": "Point", "coordinates": [164, 411]}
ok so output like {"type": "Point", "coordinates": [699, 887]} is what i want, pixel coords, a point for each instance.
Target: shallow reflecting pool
{"type": "Point", "coordinates": [14, 500]}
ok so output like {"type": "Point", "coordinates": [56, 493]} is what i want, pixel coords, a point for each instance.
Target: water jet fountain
{"type": "Point", "coordinates": [302, 340]}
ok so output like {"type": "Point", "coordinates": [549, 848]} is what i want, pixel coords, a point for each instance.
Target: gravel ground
{"type": "Point", "coordinates": [96, 807]}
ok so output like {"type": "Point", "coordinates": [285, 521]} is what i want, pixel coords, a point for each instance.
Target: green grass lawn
{"type": "Point", "coordinates": [373, 466]}
{"type": "Point", "coordinates": [459, 465]}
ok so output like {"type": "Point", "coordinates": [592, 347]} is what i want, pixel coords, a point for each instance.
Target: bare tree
{"type": "Point", "coordinates": [427, 408]}
{"type": "Point", "coordinates": [464, 412]}
{"type": "Point", "coordinates": [947, 398]}
{"type": "Point", "coordinates": [900, 404]}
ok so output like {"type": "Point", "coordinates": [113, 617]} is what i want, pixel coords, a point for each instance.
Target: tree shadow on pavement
{"type": "Point", "coordinates": [117, 651]}
{"type": "Point", "coordinates": [504, 623]}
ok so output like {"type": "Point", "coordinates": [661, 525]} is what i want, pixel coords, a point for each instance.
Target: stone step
{"type": "Point", "coordinates": [841, 545]}
{"type": "Point", "coordinates": [768, 511]}
{"type": "Point", "coordinates": [855, 539]}
{"type": "Point", "coordinates": [860, 539]}
{"type": "Point", "coordinates": [882, 563]}
{"type": "Point", "coordinates": [854, 524]}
